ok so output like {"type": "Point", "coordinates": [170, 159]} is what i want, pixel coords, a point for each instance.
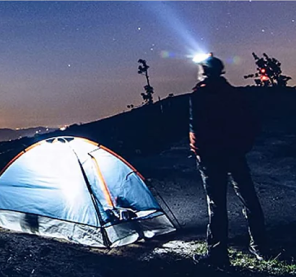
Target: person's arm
{"type": "Point", "coordinates": [192, 136]}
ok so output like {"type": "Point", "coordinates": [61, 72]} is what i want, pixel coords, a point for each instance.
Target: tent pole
{"type": "Point", "coordinates": [104, 233]}
{"type": "Point", "coordinates": [106, 240]}
{"type": "Point", "coordinates": [167, 206]}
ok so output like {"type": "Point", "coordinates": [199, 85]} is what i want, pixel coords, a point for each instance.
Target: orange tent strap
{"type": "Point", "coordinates": [32, 146]}
{"type": "Point", "coordinates": [11, 161]}
{"type": "Point", "coordinates": [123, 160]}
{"type": "Point", "coordinates": [104, 185]}
{"type": "Point", "coordinates": [17, 156]}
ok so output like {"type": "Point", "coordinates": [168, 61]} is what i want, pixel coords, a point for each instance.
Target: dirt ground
{"type": "Point", "coordinates": [176, 184]}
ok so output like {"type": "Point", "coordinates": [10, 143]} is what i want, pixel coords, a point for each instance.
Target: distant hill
{"type": "Point", "coordinates": [12, 134]}
{"type": "Point", "coordinates": [140, 131]}
{"type": "Point", "coordinates": [151, 129]}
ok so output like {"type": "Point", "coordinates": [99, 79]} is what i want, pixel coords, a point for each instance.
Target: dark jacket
{"type": "Point", "coordinates": [221, 118]}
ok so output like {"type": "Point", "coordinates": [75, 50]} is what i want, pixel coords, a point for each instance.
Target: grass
{"type": "Point", "coordinates": [273, 266]}
{"type": "Point", "coordinates": [244, 264]}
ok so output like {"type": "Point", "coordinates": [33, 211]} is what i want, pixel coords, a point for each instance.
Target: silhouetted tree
{"type": "Point", "coordinates": [147, 96]}
{"type": "Point", "coordinates": [269, 73]}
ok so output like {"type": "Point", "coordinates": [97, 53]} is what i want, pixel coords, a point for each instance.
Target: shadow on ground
{"type": "Point", "coordinates": [171, 255]}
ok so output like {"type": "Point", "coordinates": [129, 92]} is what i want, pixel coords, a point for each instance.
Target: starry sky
{"type": "Point", "coordinates": [74, 62]}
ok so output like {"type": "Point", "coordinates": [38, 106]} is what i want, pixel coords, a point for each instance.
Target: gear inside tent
{"type": "Point", "coordinates": [75, 189]}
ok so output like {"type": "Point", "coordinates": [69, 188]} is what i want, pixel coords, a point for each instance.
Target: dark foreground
{"type": "Point", "coordinates": [176, 184]}
{"type": "Point", "coordinates": [32, 256]}
{"type": "Point", "coordinates": [174, 178]}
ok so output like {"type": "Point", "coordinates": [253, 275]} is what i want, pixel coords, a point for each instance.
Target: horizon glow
{"type": "Point", "coordinates": [72, 62]}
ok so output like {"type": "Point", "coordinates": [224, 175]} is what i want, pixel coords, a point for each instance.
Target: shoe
{"type": "Point", "coordinates": [258, 253]}
{"type": "Point", "coordinates": [211, 260]}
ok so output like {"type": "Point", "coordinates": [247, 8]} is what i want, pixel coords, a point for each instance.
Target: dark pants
{"type": "Point", "coordinates": [216, 172]}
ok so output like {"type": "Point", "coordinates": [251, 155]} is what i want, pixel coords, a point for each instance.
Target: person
{"type": "Point", "coordinates": [223, 128]}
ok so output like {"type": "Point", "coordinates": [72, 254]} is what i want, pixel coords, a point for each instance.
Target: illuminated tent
{"type": "Point", "coordinates": [75, 189]}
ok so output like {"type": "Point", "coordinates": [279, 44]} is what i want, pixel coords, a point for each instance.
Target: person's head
{"type": "Point", "coordinates": [212, 67]}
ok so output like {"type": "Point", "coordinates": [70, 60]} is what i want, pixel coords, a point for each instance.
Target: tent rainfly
{"type": "Point", "coordinates": [75, 189]}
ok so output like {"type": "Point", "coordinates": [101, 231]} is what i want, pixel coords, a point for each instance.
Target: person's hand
{"type": "Point", "coordinates": [192, 144]}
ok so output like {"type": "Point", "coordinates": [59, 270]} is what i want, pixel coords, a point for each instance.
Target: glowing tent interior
{"type": "Point", "coordinates": [75, 189]}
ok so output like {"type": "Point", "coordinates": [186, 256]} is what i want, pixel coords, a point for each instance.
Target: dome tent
{"type": "Point", "coordinates": [75, 189]}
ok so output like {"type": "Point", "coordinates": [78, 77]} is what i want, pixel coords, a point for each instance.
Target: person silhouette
{"type": "Point", "coordinates": [222, 129]}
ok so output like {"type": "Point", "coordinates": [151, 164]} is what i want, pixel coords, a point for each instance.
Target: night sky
{"type": "Point", "coordinates": [75, 62]}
